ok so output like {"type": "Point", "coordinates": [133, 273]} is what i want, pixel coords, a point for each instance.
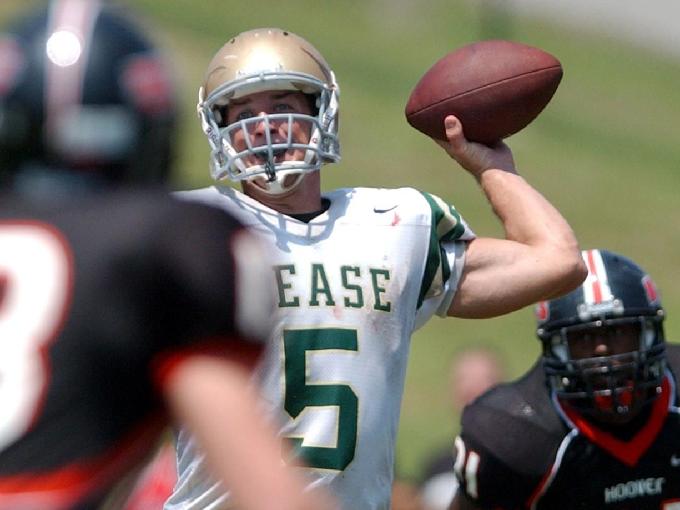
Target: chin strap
{"type": "Point", "coordinates": [270, 171]}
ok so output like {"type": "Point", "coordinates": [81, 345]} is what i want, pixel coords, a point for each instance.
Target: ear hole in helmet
{"type": "Point", "coordinates": [220, 112]}
{"type": "Point", "coordinates": [649, 333]}
{"type": "Point", "coordinates": [314, 101]}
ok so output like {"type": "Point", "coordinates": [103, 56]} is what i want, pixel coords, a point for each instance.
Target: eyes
{"type": "Point", "coordinates": [617, 333]}
{"type": "Point", "coordinates": [615, 339]}
{"type": "Point", "coordinates": [247, 113]}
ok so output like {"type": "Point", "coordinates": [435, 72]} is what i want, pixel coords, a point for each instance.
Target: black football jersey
{"type": "Point", "coordinates": [99, 300]}
{"type": "Point", "coordinates": [519, 448]}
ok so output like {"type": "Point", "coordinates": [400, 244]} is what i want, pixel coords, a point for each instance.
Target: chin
{"type": "Point", "coordinates": [260, 187]}
{"type": "Point", "coordinates": [611, 417]}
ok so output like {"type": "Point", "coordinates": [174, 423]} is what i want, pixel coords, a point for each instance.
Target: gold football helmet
{"type": "Point", "coordinates": [269, 59]}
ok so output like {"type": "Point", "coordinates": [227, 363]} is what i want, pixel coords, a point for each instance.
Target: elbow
{"type": "Point", "coordinates": [572, 272]}
{"type": "Point", "coordinates": [577, 273]}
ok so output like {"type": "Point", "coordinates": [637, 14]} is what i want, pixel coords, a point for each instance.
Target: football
{"type": "Point", "coordinates": [496, 88]}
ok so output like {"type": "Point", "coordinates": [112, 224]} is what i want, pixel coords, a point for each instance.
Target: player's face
{"type": "Point", "coordinates": [260, 129]}
{"type": "Point", "coordinates": [604, 341]}
{"type": "Point", "coordinates": [279, 129]}
{"type": "Point", "coordinates": [607, 343]}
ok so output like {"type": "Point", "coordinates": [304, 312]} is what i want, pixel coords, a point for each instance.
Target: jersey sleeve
{"type": "Point", "coordinates": [449, 234]}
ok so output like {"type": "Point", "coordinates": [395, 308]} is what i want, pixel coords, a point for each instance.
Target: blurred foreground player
{"type": "Point", "coordinates": [118, 308]}
{"type": "Point", "coordinates": [595, 424]}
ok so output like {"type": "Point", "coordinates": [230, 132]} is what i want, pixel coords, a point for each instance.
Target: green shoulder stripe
{"type": "Point", "coordinates": [445, 226]}
{"type": "Point", "coordinates": [445, 218]}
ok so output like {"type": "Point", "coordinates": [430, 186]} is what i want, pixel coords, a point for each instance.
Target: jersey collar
{"type": "Point", "coordinates": [628, 452]}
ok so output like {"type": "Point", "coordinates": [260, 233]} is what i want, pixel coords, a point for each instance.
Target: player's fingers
{"type": "Point", "coordinates": [454, 133]}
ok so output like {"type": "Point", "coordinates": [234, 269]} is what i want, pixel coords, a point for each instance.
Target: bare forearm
{"type": "Point", "coordinates": [526, 215]}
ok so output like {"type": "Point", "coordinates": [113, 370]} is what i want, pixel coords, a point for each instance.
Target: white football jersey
{"type": "Point", "coordinates": [352, 285]}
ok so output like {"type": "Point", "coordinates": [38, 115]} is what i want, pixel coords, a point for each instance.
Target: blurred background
{"type": "Point", "coordinates": [606, 151]}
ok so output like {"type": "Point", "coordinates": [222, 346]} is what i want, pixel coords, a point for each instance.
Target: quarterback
{"type": "Point", "coordinates": [357, 270]}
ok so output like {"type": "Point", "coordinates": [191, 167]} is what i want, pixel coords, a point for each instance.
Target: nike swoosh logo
{"type": "Point", "coordinates": [380, 211]}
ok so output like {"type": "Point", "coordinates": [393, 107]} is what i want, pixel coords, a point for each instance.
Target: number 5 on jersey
{"type": "Point", "coordinates": [301, 395]}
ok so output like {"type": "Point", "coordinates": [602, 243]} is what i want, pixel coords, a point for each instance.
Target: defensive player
{"type": "Point", "coordinates": [357, 270]}
{"type": "Point", "coordinates": [595, 423]}
{"type": "Point", "coordinates": [116, 309]}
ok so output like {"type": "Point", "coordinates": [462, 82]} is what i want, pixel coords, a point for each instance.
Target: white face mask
{"type": "Point", "coordinates": [273, 160]}
{"type": "Point", "coordinates": [284, 149]}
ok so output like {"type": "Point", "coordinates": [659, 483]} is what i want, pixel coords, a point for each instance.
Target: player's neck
{"type": "Point", "coordinates": [309, 216]}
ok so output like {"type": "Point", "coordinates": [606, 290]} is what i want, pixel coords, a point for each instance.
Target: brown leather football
{"type": "Point", "coordinates": [496, 88]}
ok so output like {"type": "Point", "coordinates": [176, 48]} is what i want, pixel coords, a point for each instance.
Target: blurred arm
{"type": "Point", "coordinates": [214, 399]}
{"type": "Point", "coordinates": [539, 258]}
{"type": "Point", "coordinates": [460, 503]}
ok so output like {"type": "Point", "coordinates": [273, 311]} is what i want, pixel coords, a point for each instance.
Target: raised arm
{"type": "Point", "coordinates": [539, 257]}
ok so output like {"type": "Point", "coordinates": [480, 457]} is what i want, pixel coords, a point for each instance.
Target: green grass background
{"type": "Point", "coordinates": [605, 151]}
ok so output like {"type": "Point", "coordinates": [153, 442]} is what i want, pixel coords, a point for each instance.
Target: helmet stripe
{"type": "Point", "coordinates": [596, 288]}
{"type": "Point", "coordinates": [66, 62]}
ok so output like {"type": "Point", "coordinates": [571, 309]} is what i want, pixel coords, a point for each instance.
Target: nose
{"type": "Point", "coordinates": [262, 124]}
{"type": "Point", "coordinates": [601, 350]}
{"type": "Point", "coordinates": [601, 346]}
